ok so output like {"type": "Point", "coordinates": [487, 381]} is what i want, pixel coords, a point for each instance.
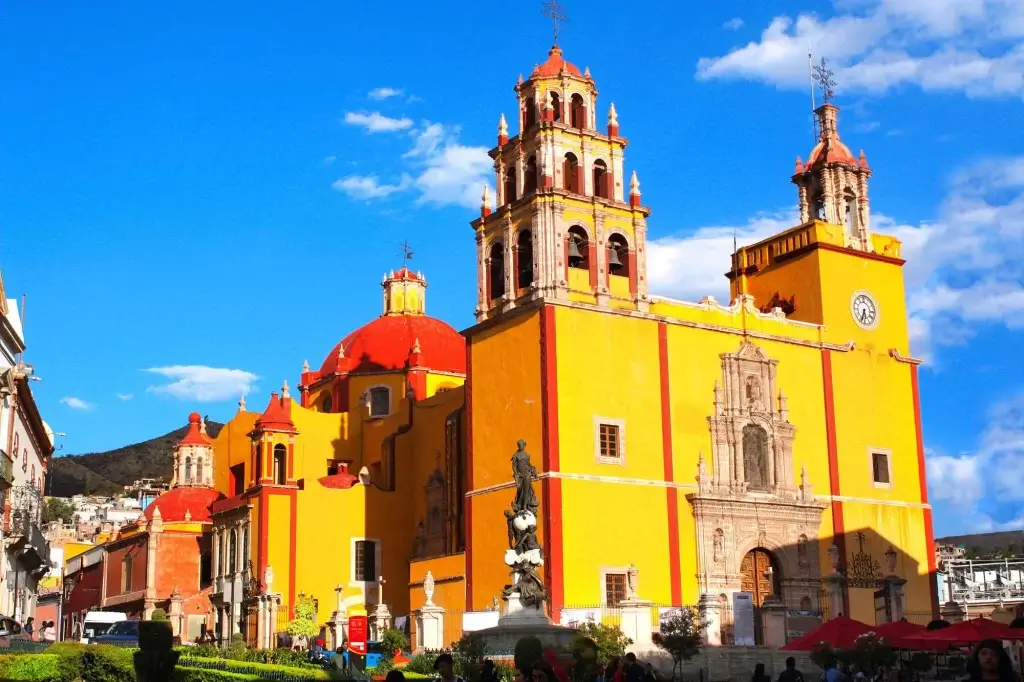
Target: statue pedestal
{"type": "Point", "coordinates": [637, 623]}
{"type": "Point", "coordinates": [773, 611]}
{"type": "Point", "coordinates": [380, 620]}
{"type": "Point", "coordinates": [429, 627]}
{"type": "Point", "coordinates": [517, 614]}
{"type": "Point", "coordinates": [710, 614]}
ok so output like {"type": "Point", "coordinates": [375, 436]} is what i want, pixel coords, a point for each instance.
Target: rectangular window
{"type": "Point", "coordinates": [237, 476]}
{"type": "Point", "coordinates": [608, 441]}
{"type": "Point", "coordinates": [880, 468]}
{"type": "Point", "coordinates": [380, 401]}
{"type": "Point", "coordinates": [614, 588]}
{"type": "Point", "coordinates": [366, 561]}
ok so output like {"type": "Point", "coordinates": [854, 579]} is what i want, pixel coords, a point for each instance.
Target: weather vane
{"type": "Point", "coordinates": [557, 14]}
{"type": "Point", "coordinates": [823, 76]}
{"type": "Point", "coordinates": [406, 251]}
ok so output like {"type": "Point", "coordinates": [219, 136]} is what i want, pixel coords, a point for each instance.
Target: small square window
{"type": "Point", "coordinates": [880, 474]}
{"type": "Point", "coordinates": [609, 441]}
{"type": "Point", "coordinates": [614, 588]}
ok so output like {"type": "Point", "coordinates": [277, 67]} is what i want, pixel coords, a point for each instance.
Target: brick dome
{"type": "Point", "coordinates": [175, 503]}
{"type": "Point", "coordinates": [387, 342]}
{"type": "Point", "coordinates": [554, 65]}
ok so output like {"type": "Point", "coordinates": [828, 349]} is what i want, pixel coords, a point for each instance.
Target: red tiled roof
{"type": "Point", "coordinates": [175, 503]}
{"type": "Point", "coordinates": [195, 436]}
{"type": "Point", "coordinates": [554, 65]}
{"type": "Point", "coordinates": [407, 274]}
{"type": "Point", "coordinates": [387, 342]}
{"type": "Point", "coordinates": [341, 481]}
{"type": "Point", "coordinates": [277, 416]}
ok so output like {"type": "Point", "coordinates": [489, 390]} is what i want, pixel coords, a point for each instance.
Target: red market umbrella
{"type": "Point", "coordinates": [966, 632]}
{"type": "Point", "coordinates": [898, 629]}
{"type": "Point", "coordinates": [838, 633]}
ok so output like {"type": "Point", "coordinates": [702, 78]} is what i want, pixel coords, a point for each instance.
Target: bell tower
{"type": "Point", "coordinates": [568, 224]}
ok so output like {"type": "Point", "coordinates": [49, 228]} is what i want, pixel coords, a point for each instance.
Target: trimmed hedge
{"type": "Point", "coordinates": [277, 672]}
{"type": "Point", "coordinates": [198, 675]}
{"type": "Point", "coordinates": [29, 667]}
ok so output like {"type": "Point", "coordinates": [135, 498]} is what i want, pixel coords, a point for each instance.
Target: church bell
{"type": "Point", "coordinates": [614, 264]}
{"type": "Point", "coordinates": [575, 257]}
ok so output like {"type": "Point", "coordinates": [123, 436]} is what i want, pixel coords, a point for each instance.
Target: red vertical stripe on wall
{"type": "Point", "coordinates": [838, 523]}
{"type": "Point", "coordinates": [929, 531]}
{"type": "Point", "coordinates": [551, 488]}
{"type": "Point", "coordinates": [675, 570]}
{"type": "Point", "coordinates": [469, 473]}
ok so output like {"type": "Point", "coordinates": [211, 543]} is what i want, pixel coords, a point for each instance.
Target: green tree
{"type": "Point", "coordinates": [390, 640]}
{"type": "Point", "coordinates": [57, 509]}
{"type": "Point", "coordinates": [469, 653]}
{"type": "Point", "coordinates": [158, 614]}
{"type": "Point", "coordinates": [680, 637]}
{"type": "Point", "coordinates": [304, 623]}
{"type": "Point", "coordinates": [609, 640]}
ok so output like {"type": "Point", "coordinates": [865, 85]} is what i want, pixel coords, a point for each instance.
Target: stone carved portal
{"type": "Point", "coordinates": [750, 513]}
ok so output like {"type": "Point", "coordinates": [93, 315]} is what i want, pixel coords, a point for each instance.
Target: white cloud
{"type": "Point", "coordinates": [967, 46]}
{"type": "Point", "coordinates": [733, 24]}
{"type": "Point", "coordinates": [125, 397]}
{"type": "Point", "coordinates": [375, 122]}
{"type": "Point", "coordinates": [203, 384]}
{"type": "Point", "coordinates": [384, 93]}
{"type": "Point", "coordinates": [441, 170]}
{"type": "Point", "coordinates": [329, 160]}
{"type": "Point", "coordinates": [975, 483]}
{"type": "Point", "coordinates": [867, 126]}
{"type": "Point", "coordinates": [77, 404]}
{"type": "Point", "coordinates": [370, 186]}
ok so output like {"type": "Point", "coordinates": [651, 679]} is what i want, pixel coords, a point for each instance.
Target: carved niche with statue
{"type": "Point", "coordinates": [750, 500]}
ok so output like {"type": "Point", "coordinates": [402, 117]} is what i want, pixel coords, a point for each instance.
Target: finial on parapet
{"type": "Point", "coordinates": [241, 403]}
{"type": "Point", "coordinates": [502, 131]}
{"type": "Point", "coordinates": [485, 202]}
{"type": "Point", "coordinates": [613, 121]}
{"type": "Point", "coordinates": [305, 365]}
{"type": "Point", "coordinates": [634, 190]}
{"type": "Point", "coordinates": [284, 390]}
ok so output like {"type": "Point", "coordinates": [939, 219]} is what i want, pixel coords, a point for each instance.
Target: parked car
{"type": "Point", "coordinates": [11, 629]}
{"type": "Point", "coordinates": [122, 633]}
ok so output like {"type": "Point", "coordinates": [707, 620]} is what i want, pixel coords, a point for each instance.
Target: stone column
{"type": "Point", "coordinates": [339, 620]}
{"type": "Point", "coordinates": [773, 612]}
{"type": "Point", "coordinates": [710, 614]}
{"type": "Point", "coordinates": [215, 560]}
{"type": "Point", "coordinates": [177, 615]}
{"type": "Point", "coordinates": [261, 622]}
{"type": "Point", "coordinates": [637, 624]}
{"type": "Point", "coordinates": [275, 607]}
{"type": "Point", "coordinates": [429, 627]}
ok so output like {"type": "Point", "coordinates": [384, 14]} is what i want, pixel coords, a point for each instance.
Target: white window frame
{"type": "Point", "coordinates": [621, 424]}
{"type": "Point", "coordinates": [369, 401]}
{"type": "Point", "coordinates": [605, 572]}
{"type": "Point", "coordinates": [871, 467]}
{"type": "Point", "coordinates": [377, 556]}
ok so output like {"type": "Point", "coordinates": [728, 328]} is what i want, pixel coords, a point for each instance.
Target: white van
{"type": "Point", "coordinates": [96, 623]}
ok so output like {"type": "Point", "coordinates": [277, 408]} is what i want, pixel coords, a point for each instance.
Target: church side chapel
{"type": "Point", "coordinates": [766, 451]}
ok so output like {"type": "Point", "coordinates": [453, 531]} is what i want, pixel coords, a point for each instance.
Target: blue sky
{"type": "Point", "coordinates": [214, 191]}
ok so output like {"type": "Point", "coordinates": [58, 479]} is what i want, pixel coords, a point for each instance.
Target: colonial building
{"type": "Point", "coordinates": [26, 445]}
{"type": "Point", "coordinates": [163, 560]}
{"type": "Point", "coordinates": [769, 446]}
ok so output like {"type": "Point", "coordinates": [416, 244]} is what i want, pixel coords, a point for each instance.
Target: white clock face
{"type": "Point", "coordinates": [864, 309]}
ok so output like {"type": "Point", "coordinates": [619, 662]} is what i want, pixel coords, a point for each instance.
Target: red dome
{"type": "Point", "coordinates": [175, 503]}
{"type": "Point", "coordinates": [387, 342]}
{"type": "Point", "coordinates": [554, 65]}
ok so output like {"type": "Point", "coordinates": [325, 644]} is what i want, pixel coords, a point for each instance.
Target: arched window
{"type": "Point", "coordinates": [556, 106]}
{"type": "Point", "coordinates": [126, 573]}
{"type": "Point", "coordinates": [280, 464]}
{"type": "Point", "coordinates": [530, 114]}
{"type": "Point", "coordinates": [578, 112]}
{"type": "Point", "coordinates": [524, 255]}
{"type": "Point", "coordinates": [818, 207]}
{"type": "Point", "coordinates": [618, 255]}
{"type": "Point", "coordinates": [850, 222]}
{"type": "Point", "coordinates": [496, 270]}
{"type": "Point", "coordinates": [326, 404]}
{"type": "Point", "coordinates": [530, 176]}
{"type": "Point", "coordinates": [571, 174]}
{"type": "Point", "coordinates": [233, 551]}
{"type": "Point", "coordinates": [578, 248]}
{"type": "Point", "coordinates": [199, 470]}
{"type": "Point", "coordinates": [188, 470]}
{"type": "Point", "coordinates": [601, 179]}
{"type": "Point", "coordinates": [510, 184]}
{"type": "Point", "coordinates": [258, 469]}
{"type": "Point", "coordinates": [380, 401]}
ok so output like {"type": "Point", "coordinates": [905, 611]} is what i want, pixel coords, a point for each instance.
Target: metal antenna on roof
{"type": "Point", "coordinates": [406, 251]}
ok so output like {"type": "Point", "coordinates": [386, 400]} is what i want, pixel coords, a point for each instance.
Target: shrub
{"type": "Point", "coordinates": [469, 652]}
{"type": "Point", "coordinates": [304, 623]}
{"type": "Point", "coordinates": [608, 639]}
{"type": "Point", "coordinates": [104, 663]}
{"type": "Point", "coordinates": [252, 668]}
{"type": "Point", "coordinates": [680, 637]}
{"type": "Point", "coordinates": [392, 639]}
{"type": "Point", "coordinates": [30, 667]}
{"type": "Point", "coordinates": [528, 651]}
{"type": "Point", "coordinates": [422, 664]}
{"type": "Point", "coordinates": [199, 675]}
{"type": "Point", "coordinates": [158, 614]}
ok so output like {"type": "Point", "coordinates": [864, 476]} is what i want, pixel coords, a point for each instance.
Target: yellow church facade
{"type": "Point", "coordinates": [770, 446]}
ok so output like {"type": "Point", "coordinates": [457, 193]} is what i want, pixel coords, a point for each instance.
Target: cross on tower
{"type": "Point", "coordinates": [556, 13]}
{"type": "Point", "coordinates": [823, 76]}
{"type": "Point", "coordinates": [406, 251]}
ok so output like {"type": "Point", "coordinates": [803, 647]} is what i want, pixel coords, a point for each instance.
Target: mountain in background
{"type": "Point", "coordinates": [106, 473]}
{"type": "Point", "coordinates": [999, 545]}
